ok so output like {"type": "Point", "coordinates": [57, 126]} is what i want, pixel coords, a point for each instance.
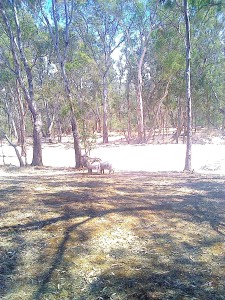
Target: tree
{"type": "Point", "coordinates": [207, 67]}
{"type": "Point", "coordinates": [10, 21]}
{"type": "Point", "coordinates": [64, 18]}
{"type": "Point", "coordinates": [188, 87]}
{"type": "Point", "coordinates": [99, 26]}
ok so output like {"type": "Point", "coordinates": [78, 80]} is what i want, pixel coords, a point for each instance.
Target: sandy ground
{"type": "Point", "coordinates": [207, 158]}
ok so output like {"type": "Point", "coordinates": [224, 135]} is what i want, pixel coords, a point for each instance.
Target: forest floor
{"type": "Point", "coordinates": [132, 235]}
{"type": "Point", "coordinates": [66, 234]}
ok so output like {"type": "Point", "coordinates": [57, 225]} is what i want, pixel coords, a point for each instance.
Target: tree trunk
{"type": "Point", "coordinates": [105, 111]}
{"type": "Point", "coordinates": [22, 124]}
{"type": "Point", "coordinates": [140, 116]}
{"type": "Point", "coordinates": [73, 121]}
{"type": "Point", "coordinates": [188, 166]}
{"type": "Point", "coordinates": [179, 122]}
{"type": "Point", "coordinates": [61, 60]}
{"type": "Point", "coordinates": [16, 150]}
{"type": "Point", "coordinates": [59, 130]}
{"type": "Point", "coordinates": [3, 155]}
{"type": "Point", "coordinates": [128, 112]}
{"type": "Point", "coordinates": [28, 93]}
{"type": "Point", "coordinates": [37, 135]}
{"type": "Point", "coordinates": [50, 122]}
{"type": "Point", "coordinates": [11, 122]}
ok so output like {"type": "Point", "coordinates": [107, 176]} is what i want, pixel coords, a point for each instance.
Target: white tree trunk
{"type": "Point", "coordinates": [188, 166]}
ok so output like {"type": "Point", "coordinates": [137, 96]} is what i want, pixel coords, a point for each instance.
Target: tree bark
{"type": "Point", "coordinates": [188, 166]}
{"type": "Point", "coordinates": [73, 121]}
{"type": "Point", "coordinates": [129, 134]}
{"type": "Point", "coordinates": [105, 111]}
{"type": "Point", "coordinates": [179, 126]}
{"type": "Point", "coordinates": [140, 115]}
{"type": "Point", "coordinates": [22, 124]}
{"type": "Point", "coordinates": [50, 122]}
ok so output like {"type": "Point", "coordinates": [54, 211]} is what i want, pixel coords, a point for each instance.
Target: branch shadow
{"type": "Point", "coordinates": [46, 277]}
{"type": "Point", "coordinates": [9, 260]}
{"type": "Point", "coordinates": [195, 207]}
{"type": "Point", "coordinates": [171, 283]}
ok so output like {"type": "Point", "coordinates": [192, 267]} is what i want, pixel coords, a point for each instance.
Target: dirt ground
{"type": "Point", "coordinates": [130, 235]}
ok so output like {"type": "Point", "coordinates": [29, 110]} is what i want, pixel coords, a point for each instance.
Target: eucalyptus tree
{"type": "Point", "coordinates": [86, 86]}
{"type": "Point", "coordinates": [21, 63]}
{"type": "Point", "coordinates": [59, 22]}
{"type": "Point", "coordinates": [98, 24]}
{"type": "Point", "coordinates": [184, 8]}
{"type": "Point", "coordinates": [204, 7]}
{"type": "Point", "coordinates": [9, 106]}
{"type": "Point", "coordinates": [165, 92]}
{"type": "Point", "coordinates": [208, 67]}
{"type": "Point", "coordinates": [145, 20]}
{"type": "Point", "coordinates": [13, 103]}
{"type": "Point", "coordinates": [197, 10]}
{"type": "Point", "coordinates": [51, 97]}
{"type": "Point", "coordinates": [188, 166]}
{"type": "Point", "coordinates": [14, 109]}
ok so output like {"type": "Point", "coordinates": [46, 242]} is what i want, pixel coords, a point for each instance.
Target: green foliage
{"type": "Point", "coordinates": [88, 57]}
{"type": "Point", "coordinates": [173, 62]}
{"type": "Point", "coordinates": [88, 139]}
{"type": "Point", "coordinates": [6, 76]}
{"type": "Point", "coordinates": [198, 4]}
{"type": "Point", "coordinates": [80, 60]}
{"type": "Point", "coordinates": [65, 110]}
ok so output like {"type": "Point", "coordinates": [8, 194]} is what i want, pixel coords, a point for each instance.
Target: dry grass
{"type": "Point", "coordinates": [66, 235]}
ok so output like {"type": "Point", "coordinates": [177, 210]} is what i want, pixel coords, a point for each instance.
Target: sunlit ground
{"type": "Point", "coordinates": [208, 158]}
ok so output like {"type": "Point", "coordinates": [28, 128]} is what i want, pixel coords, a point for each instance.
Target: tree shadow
{"type": "Point", "coordinates": [9, 260]}
{"type": "Point", "coordinates": [8, 263]}
{"type": "Point", "coordinates": [171, 283]}
{"type": "Point", "coordinates": [46, 277]}
{"type": "Point", "coordinates": [165, 281]}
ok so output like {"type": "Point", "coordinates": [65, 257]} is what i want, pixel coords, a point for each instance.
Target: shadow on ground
{"type": "Point", "coordinates": [130, 236]}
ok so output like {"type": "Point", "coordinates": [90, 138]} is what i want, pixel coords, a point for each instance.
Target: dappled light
{"type": "Point", "coordinates": [119, 236]}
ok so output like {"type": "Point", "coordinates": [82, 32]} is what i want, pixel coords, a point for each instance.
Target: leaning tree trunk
{"type": "Point", "coordinates": [29, 96]}
{"type": "Point", "coordinates": [188, 166]}
{"type": "Point", "coordinates": [16, 150]}
{"type": "Point", "coordinates": [16, 42]}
